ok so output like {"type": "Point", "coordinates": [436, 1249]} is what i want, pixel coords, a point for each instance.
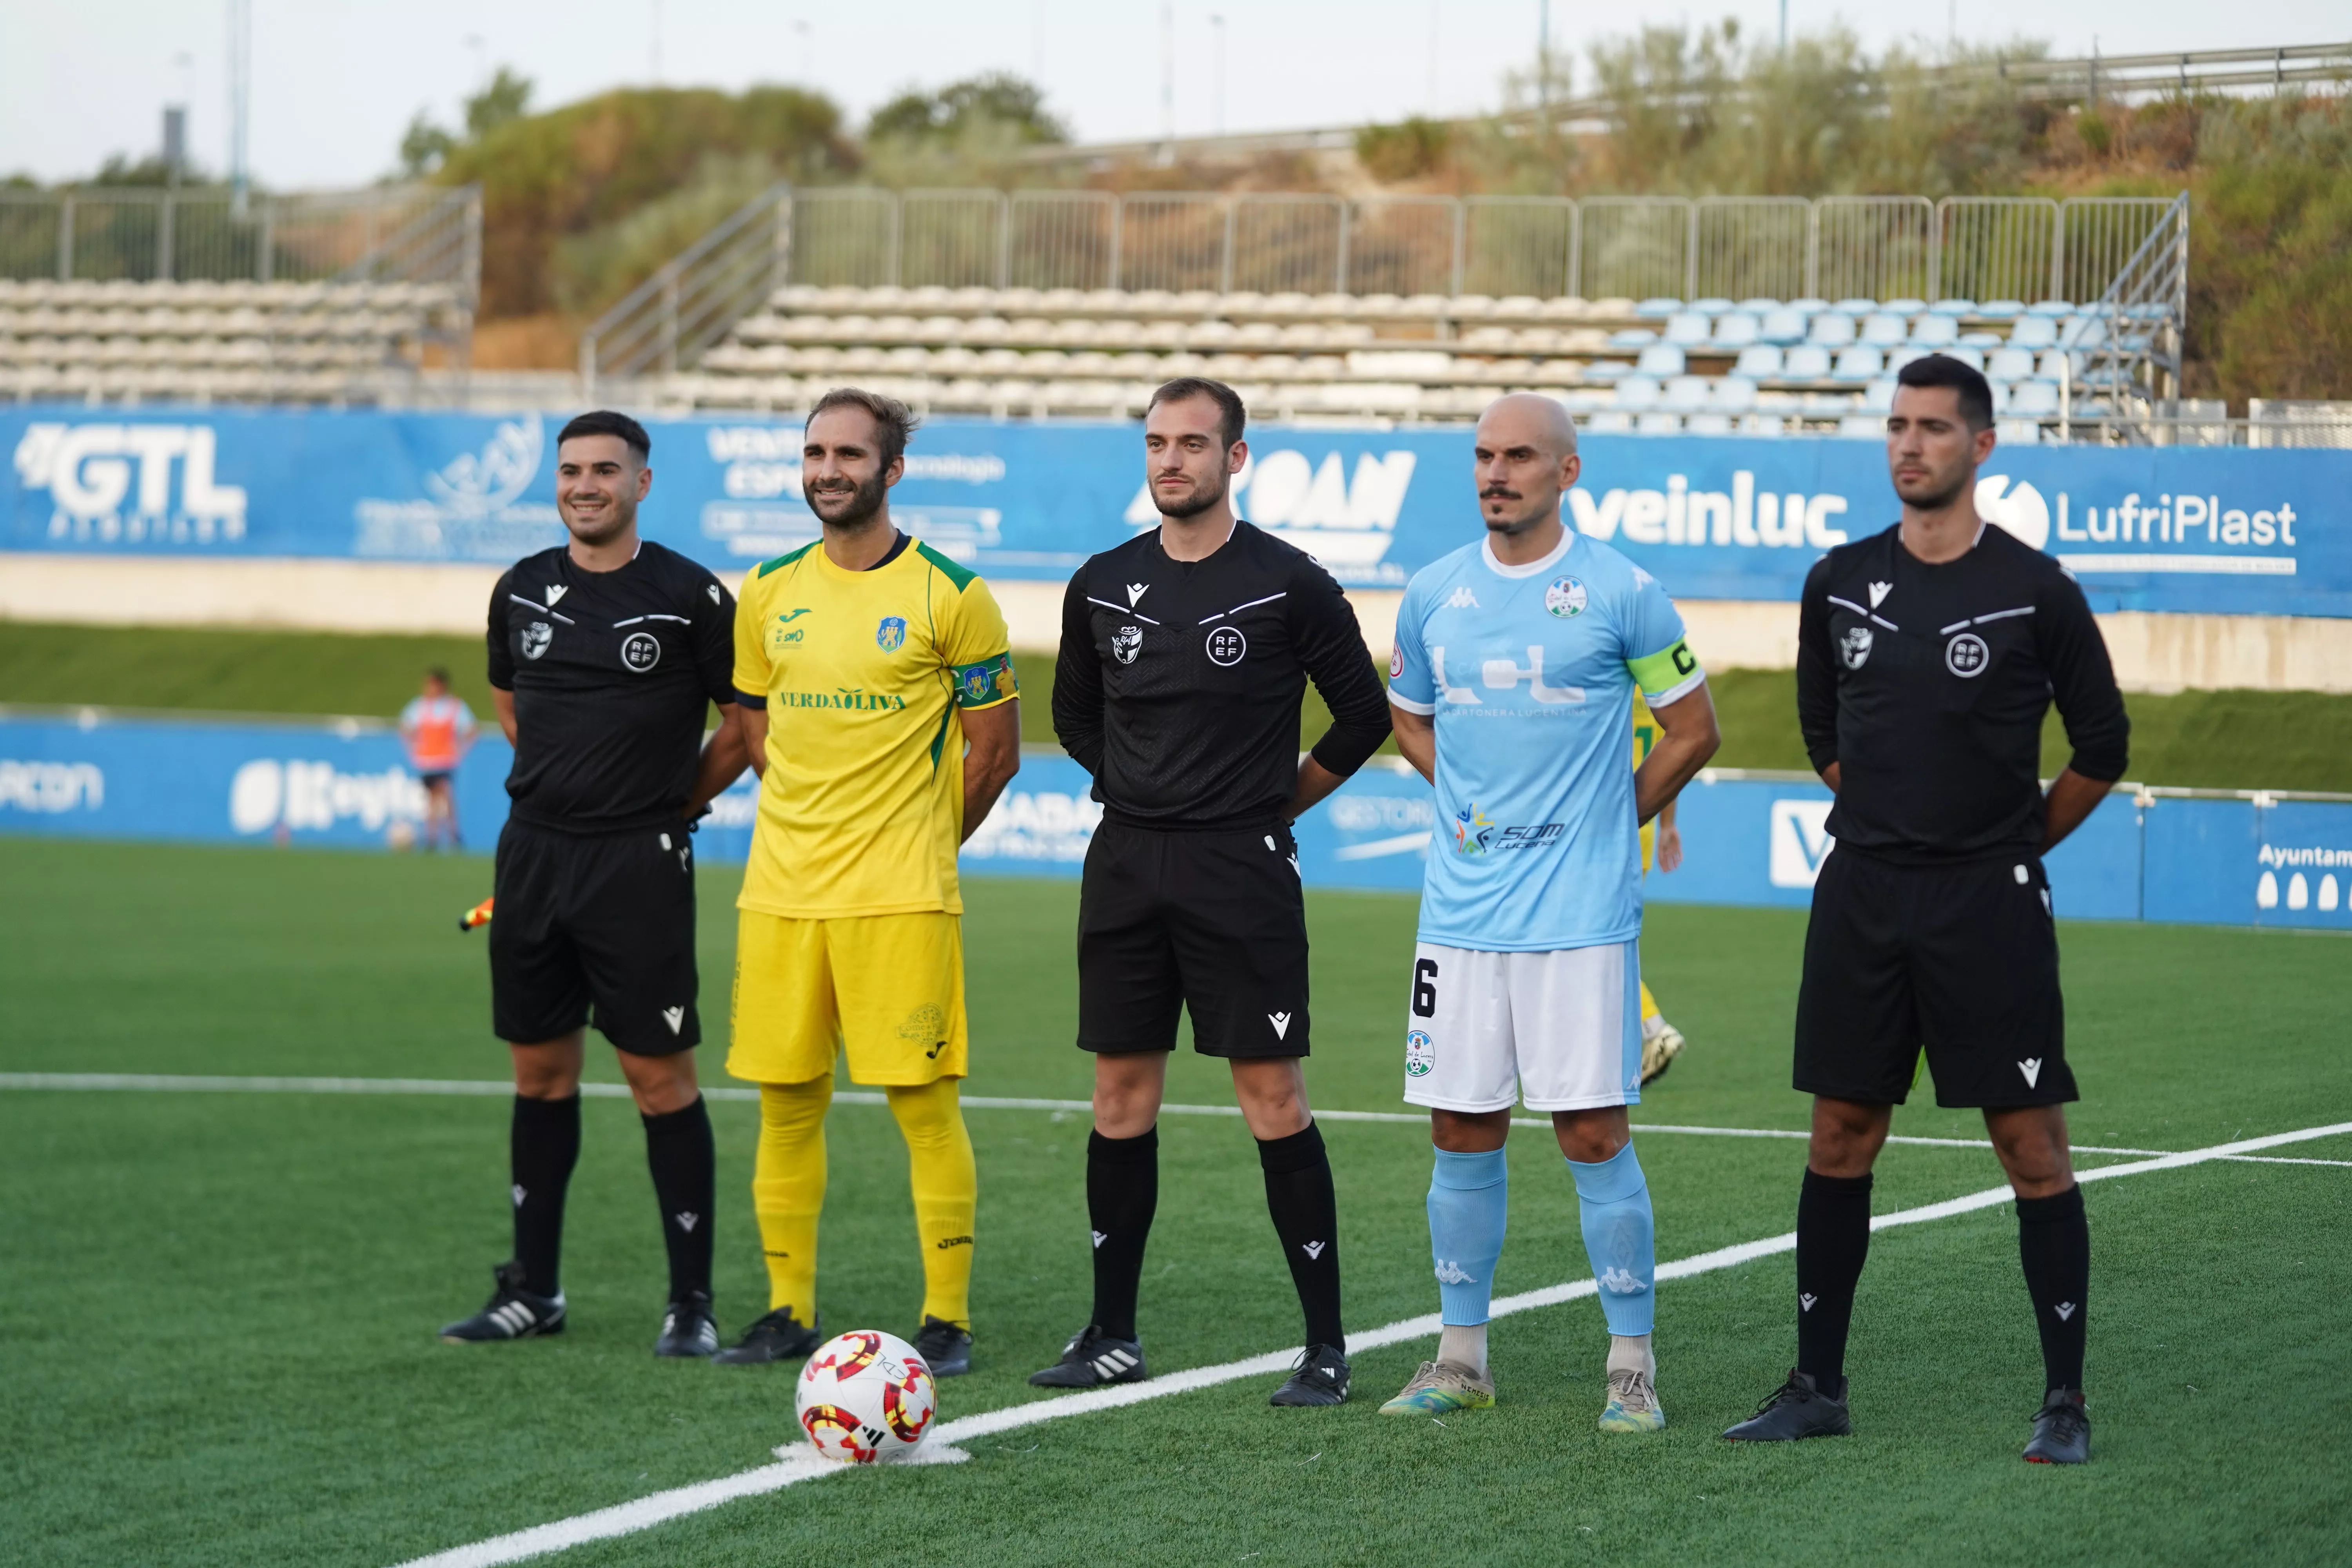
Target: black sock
{"type": "Point", "coordinates": [1832, 1239]}
{"type": "Point", "coordinates": [541, 1148]}
{"type": "Point", "coordinates": [2053, 1240]}
{"type": "Point", "coordinates": [1306, 1216]}
{"type": "Point", "coordinates": [1122, 1194]}
{"type": "Point", "coordinates": [685, 1163]}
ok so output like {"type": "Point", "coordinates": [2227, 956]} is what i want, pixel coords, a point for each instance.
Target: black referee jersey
{"type": "Point", "coordinates": [1179, 682]}
{"type": "Point", "coordinates": [1928, 686]}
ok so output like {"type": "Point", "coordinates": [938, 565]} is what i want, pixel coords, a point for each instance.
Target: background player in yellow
{"type": "Point", "coordinates": [1662, 842]}
{"type": "Point", "coordinates": [865, 664]}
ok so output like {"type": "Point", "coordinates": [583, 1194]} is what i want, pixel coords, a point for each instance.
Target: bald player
{"type": "Point", "coordinates": [1511, 690]}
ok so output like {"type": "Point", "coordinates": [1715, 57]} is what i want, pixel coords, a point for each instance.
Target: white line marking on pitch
{"type": "Point", "coordinates": [795, 1465]}
{"type": "Point", "coordinates": [169, 1083]}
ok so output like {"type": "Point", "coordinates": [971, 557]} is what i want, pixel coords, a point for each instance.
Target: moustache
{"type": "Point", "coordinates": [1497, 493]}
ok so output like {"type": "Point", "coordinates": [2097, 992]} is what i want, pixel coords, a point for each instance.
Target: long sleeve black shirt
{"type": "Point", "coordinates": [1179, 682]}
{"type": "Point", "coordinates": [1928, 684]}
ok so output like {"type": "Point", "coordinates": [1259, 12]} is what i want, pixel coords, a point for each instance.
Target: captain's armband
{"type": "Point", "coordinates": [1669, 674]}
{"type": "Point", "coordinates": [987, 683]}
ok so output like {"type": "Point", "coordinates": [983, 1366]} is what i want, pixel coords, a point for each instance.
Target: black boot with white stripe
{"type": "Point", "coordinates": [687, 1327]}
{"type": "Point", "coordinates": [1092, 1359]}
{"type": "Point", "coordinates": [513, 1312]}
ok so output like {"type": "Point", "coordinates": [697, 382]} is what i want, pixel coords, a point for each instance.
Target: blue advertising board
{"type": "Point", "coordinates": [1747, 840]}
{"type": "Point", "coordinates": [2217, 531]}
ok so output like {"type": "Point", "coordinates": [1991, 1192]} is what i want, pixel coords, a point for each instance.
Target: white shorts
{"type": "Point", "coordinates": [1563, 1028]}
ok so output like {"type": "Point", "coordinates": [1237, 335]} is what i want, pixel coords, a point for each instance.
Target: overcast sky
{"type": "Point", "coordinates": [336, 81]}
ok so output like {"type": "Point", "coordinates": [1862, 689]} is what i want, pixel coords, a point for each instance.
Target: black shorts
{"type": "Point", "coordinates": [1962, 959]}
{"type": "Point", "coordinates": [434, 779]}
{"type": "Point", "coordinates": [1215, 922]}
{"type": "Point", "coordinates": [603, 920]}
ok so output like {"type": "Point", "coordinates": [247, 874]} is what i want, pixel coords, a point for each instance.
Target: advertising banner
{"type": "Point", "coordinates": [2219, 531]}
{"type": "Point", "coordinates": [1755, 841]}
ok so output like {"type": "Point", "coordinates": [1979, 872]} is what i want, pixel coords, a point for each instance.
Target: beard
{"type": "Point", "coordinates": [611, 525]}
{"type": "Point", "coordinates": [856, 509]}
{"type": "Point", "coordinates": [1935, 495]}
{"type": "Point", "coordinates": [1205, 496]}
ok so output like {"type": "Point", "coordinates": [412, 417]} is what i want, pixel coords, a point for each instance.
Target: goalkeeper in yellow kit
{"type": "Point", "coordinates": [865, 665]}
{"type": "Point", "coordinates": [1662, 841]}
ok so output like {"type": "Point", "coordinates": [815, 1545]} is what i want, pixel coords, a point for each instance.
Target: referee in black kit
{"type": "Point", "coordinates": [1185, 653]}
{"type": "Point", "coordinates": [1926, 657]}
{"type": "Point", "coordinates": [604, 655]}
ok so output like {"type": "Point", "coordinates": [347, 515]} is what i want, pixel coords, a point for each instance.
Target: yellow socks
{"type": "Point", "coordinates": [788, 1189]}
{"type": "Point", "coordinates": [1649, 1003]}
{"type": "Point", "coordinates": [946, 1187]}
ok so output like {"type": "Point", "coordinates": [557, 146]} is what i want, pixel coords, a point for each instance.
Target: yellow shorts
{"type": "Point", "coordinates": [889, 988]}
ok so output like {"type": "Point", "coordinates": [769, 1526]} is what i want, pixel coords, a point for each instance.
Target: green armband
{"type": "Point", "coordinates": [1664, 671]}
{"type": "Point", "coordinates": [985, 684]}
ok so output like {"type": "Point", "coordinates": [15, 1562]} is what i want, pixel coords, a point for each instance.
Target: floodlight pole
{"type": "Point", "coordinates": [240, 98]}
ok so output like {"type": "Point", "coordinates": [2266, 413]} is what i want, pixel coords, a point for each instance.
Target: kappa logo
{"type": "Point", "coordinates": [1314, 1249]}
{"type": "Point", "coordinates": [2066, 1310]}
{"type": "Point", "coordinates": [1878, 592]}
{"type": "Point", "coordinates": [1099, 1237]}
{"type": "Point", "coordinates": [1805, 1302]}
{"type": "Point", "coordinates": [1452, 1273]}
{"type": "Point", "coordinates": [1126, 643]}
{"type": "Point", "coordinates": [535, 639]}
{"type": "Point", "coordinates": [1135, 592]}
{"type": "Point", "coordinates": [2031, 1068]}
{"type": "Point", "coordinates": [675, 1018]}
{"type": "Point", "coordinates": [686, 1221]}
{"type": "Point", "coordinates": [1622, 1282]}
{"type": "Point", "coordinates": [1462, 598]}
{"type": "Point", "coordinates": [1281, 1022]}
{"type": "Point", "coordinates": [1855, 646]}
{"type": "Point", "coordinates": [555, 592]}
{"type": "Point", "coordinates": [519, 1194]}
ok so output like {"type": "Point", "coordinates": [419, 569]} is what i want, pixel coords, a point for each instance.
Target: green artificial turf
{"type": "Point", "coordinates": [2221, 740]}
{"type": "Point", "coordinates": [219, 1307]}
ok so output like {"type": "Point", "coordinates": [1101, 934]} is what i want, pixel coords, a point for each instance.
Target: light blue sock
{"type": "Point", "coordinates": [1619, 1239]}
{"type": "Point", "coordinates": [1469, 1196]}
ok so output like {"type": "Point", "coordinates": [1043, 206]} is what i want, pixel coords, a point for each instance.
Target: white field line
{"type": "Point", "coordinates": [796, 1465]}
{"type": "Point", "coordinates": [169, 1083]}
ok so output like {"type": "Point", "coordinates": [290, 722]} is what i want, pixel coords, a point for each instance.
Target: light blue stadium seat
{"type": "Point", "coordinates": [1981, 340]}
{"type": "Point", "coordinates": [2001, 309]}
{"type": "Point", "coordinates": [2016, 432]}
{"type": "Point", "coordinates": [1855, 305]}
{"type": "Point", "coordinates": [1902, 307]}
{"type": "Point", "coordinates": [1884, 330]}
{"type": "Point", "coordinates": [1761, 361]}
{"type": "Point", "coordinates": [1972, 358]}
{"type": "Point", "coordinates": [1758, 305]}
{"type": "Point", "coordinates": [2083, 331]}
{"type": "Point", "coordinates": [1636, 393]}
{"type": "Point", "coordinates": [1806, 362]}
{"type": "Point", "coordinates": [2052, 367]}
{"type": "Point", "coordinates": [1733, 394]}
{"type": "Point", "coordinates": [1658, 423]}
{"type": "Point", "coordinates": [1897, 358]}
{"type": "Point", "coordinates": [1661, 359]}
{"type": "Point", "coordinates": [1831, 329]}
{"type": "Point", "coordinates": [1707, 425]}
{"type": "Point", "coordinates": [1607, 370]}
{"type": "Point", "coordinates": [1609, 422]}
{"type": "Point", "coordinates": [1782, 326]}
{"type": "Point", "coordinates": [1933, 331]}
{"type": "Point", "coordinates": [1812, 306]}
{"type": "Point", "coordinates": [2050, 307]}
{"type": "Point", "coordinates": [1878, 397]}
{"type": "Point", "coordinates": [1762, 424]}
{"type": "Point", "coordinates": [1734, 331]}
{"type": "Point", "coordinates": [1658, 306]}
{"type": "Point", "coordinates": [2033, 332]}
{"type": "Point", "coordinates": [1687, 327]}
{"type": "Point", "coordinates": [1953, 308]}
{"type": "Point", "coordinates": [1857, 364]}
{"type": "Point", "coordinates": [1712, 307]}
{"type": "Point", "coordinates": [2032, 399]}
{"type": "Point", "coordinates": [2010, 364]}
{"type": "Point", "coordinates": [1631, 338]}
{"type": "Point", "coordinates": [1863, 427]}
{"type": "Point", "coordinates": [1687, 393]}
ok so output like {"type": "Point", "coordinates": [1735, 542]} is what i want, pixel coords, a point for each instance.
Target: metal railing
{"type": "Point", "coordinates": [100, 234]}
{"type": "Point", "coordinates": [666, 322]}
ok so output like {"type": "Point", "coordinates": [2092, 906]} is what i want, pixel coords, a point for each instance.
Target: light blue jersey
{"type": "Point", "coordinates": [1531, 671]}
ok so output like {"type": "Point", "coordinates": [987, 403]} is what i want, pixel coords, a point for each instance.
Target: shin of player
{"type": "Point", "coordinates": [880, 705]}
{"type": "Point", "coordinates": [1927, 656]}
{"type": "Point", "coordinates": [1517, 662]}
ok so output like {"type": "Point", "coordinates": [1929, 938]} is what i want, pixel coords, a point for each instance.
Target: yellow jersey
{"type": "Point", "coordinates": [865, 677]}
{"type": "Point", "coordinates": [1646, 736]}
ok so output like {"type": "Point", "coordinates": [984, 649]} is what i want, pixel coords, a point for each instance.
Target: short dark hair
{"type": "Point", "coordinates": [894, 422]}
{"type": "Point", "coordinates": [1943, 369]}
{"type": "Point", "coordinates": [1232, 418]}
{"type": "Point", "coordinates": [438, 675]}
{"type": "Point", "coordinates": [605, 422]}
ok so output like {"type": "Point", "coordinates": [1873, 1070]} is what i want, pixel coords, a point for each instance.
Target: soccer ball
{"type": "Point", "coordinates": [865, 1396]}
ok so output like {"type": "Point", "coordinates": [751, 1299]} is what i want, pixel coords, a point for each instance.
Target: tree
{"type": "Point", "coordinates": [426, 146]}
{"type": "Point", "coordinates": [997, 101]}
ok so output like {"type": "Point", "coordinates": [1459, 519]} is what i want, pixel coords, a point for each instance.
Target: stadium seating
{"type": "Point", "coordinates": [127, 342]}
{"type": "Point", "coordinates": [1757, 365]}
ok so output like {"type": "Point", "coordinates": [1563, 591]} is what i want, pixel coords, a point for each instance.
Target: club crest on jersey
{"type": "Point", "coordinates": [535, 639]}
{"type": "Point", "coordinates": [1126, 643]}
{"type": "Point", "coordinates": [1855, 646]}
{"type": "Point", "coordinates": [1420, 1054]}
{"type": "Point", "coordinates": [1565, 597]}
{"type": "Point", "coordinates": [891, 634]}
{"type": "Point", "coordinates": [1966, 656]}
{"type": "Point", "coordinates": [641, 651]}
